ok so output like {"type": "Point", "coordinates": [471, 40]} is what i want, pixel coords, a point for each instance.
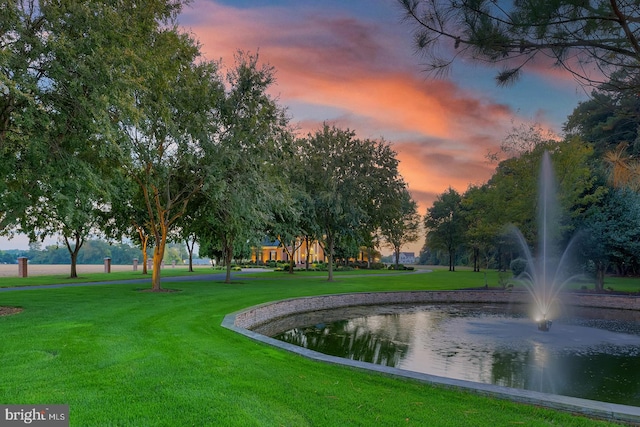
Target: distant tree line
{"type": "Point", "coordinates": [94, 252]}
{"type": "Point", "coordinates": [598, 176]}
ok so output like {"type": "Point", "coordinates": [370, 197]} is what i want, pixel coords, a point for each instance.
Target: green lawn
{"type": "Point", "coordinates": [121, 357]}
{"type": "Point", "coordinates": [34, 280]}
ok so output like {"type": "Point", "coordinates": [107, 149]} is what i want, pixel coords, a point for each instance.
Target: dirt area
{"type": "Point", "coordinates": [6, 311]}
{"type": "Point", "coordinates": [11, 270]}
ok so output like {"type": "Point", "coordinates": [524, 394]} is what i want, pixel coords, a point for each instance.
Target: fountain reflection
{"type": "Point", "coordinates": [586, 356]}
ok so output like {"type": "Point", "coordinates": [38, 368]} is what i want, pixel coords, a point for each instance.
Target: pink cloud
{"type": "Point", "coordinates": [362, 75]}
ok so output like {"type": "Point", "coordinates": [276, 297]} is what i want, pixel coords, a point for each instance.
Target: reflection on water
{"type": "Point", "coordinates": [591, 354]}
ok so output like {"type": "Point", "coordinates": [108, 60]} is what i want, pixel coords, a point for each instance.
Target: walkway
{"type": "Point", "coordinates": [197, 277]}
{"type": "Point", "coordinates": [212, 277]}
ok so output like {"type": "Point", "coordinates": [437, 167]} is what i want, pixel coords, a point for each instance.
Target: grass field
{"type": "Point", "coordinates": [121, 357]}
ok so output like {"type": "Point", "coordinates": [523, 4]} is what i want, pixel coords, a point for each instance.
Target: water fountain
{"type": "Point", "coordinates": [592, 352]}
{"type": "Point", "coordinates": [545, 275]}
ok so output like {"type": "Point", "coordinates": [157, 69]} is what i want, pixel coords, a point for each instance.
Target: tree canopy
{"type": "Point", "coordinates": [242, 186]}
{"type": "Point", "coordinates": [349, 179]}
{"type": "Point", "coordinates": [595, 41]}
{"type": "Point", "coordinates": [445, 224]}
{"type": "Point", "coordinates": [401, 225]}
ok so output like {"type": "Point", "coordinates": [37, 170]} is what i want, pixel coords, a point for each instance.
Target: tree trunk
{"type": "Point", "coordinates": [600, 270]}
{"type": "Point", "coordinates": [290, 254]}
{"type": "Point", "coordinates": [144, 240]}
{"type": "Point", "coordinates": [397, 254]}
{"type": "Point", "coordinates": [330, 257]}
{"type": "Point", "coordinates": [190, 249]}
{"type": "Point", "coordinates": [158, 255]}
{"type": "Point", "coordinates": [476, 259]}
{"type": "Point", "coordinates": [74, 266]}
{"type": "Point", "coordinates": [308, 254]}
{"type": "Point", "coordinates": [73, 254]}
{"type": "Point", "coordinates": [228, 255]}
{"type": "Point", "coordinates": [452, 256]}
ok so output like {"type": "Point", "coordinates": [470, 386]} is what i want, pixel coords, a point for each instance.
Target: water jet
{"type": "Point", "coordinates": [546, 273]}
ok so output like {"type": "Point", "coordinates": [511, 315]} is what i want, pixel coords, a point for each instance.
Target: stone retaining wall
{"type": "Point", "coordinates": [264, 313]}
{"type": "Point", "coordinates": [253, 317]}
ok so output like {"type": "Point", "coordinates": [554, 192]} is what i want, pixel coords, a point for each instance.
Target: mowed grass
{"type": "Point", "coordinates": [47, 279]}
{"type": "Point", "coordinates": [121, 357]}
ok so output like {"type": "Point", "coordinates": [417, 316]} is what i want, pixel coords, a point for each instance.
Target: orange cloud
{"type": "Point", "coordinates": [361, 74]}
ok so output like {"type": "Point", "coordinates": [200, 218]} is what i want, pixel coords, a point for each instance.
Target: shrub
{"type": "Point", "coordinates": [359, 264]}
{"type": "Point", "coordinates": [518, 266]}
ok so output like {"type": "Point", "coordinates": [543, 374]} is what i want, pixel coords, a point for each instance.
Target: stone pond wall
{"type": "Point", "coordinates": [258, 315]}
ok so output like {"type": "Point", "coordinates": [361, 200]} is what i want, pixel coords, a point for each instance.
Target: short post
{"type": "Point", "coordinates": [22, 266]}
{"type": "Point", "coordinates": [135, 264]}
{"type": "Point", "coordinates": [149, 263]}
{"type": "Point", "coordinates": [107, 265]}
{"type": "Point", "coordinates": [173, 264]}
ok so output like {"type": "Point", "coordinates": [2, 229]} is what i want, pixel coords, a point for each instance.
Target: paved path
{"type": "Point", "coordinates": [212, 277]}
{"type": "Point", "coordinates": [197, 277]}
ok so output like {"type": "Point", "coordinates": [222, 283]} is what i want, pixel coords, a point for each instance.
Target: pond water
{"type": "Point", "coordinates": [588, 353]}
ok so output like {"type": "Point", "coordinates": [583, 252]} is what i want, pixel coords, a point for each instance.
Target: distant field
{"type": "Point", "coordinates": [11, 270]}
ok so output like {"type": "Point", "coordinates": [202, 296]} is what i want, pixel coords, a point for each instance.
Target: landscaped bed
{"type": "Point", "coordinates": [121, 357]}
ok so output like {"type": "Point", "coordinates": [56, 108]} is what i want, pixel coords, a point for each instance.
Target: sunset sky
{"type": "Point", "coordinates": [353, 64]}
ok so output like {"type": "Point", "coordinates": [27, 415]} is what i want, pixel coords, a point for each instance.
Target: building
{"type": "Point", "coordinates": [407, 258]}
{"type": "Point", "coordinates": [272, 250]}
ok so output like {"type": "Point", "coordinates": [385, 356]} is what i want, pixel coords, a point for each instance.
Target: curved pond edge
{"type": "Point", "coordinates": [242, 322]}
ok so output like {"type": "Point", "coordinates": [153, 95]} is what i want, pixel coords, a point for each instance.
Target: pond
{"type": "Point", "coordinates": [588, 353]}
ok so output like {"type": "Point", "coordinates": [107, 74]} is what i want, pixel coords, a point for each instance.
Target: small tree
{"type": "Point", "coordinates": [445, 224]}
{"type": "Point", "coordinates": [402, 225]}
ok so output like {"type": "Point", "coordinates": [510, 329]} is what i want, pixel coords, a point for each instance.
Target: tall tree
{"type": "Point", "coordinates": [60, 92]}
{"type": "Point", "coordinates": [169, 138]}
{"type": "Point", "coordinates": [483, 222]}
{"type": "Point", "coordinates": [66, 73]}
{"type": "Point", "coordinates": [607, 120]}
{"type": "Point", "coordinates": [611, 235]}
{"type": "Point", "coordinates": [243, 186]}
{"type": "Point", "coordinates": [578, 36]}
{"type": "Point", "coordinates": [445, 225]}
{"type": "Point", "coordinates": [347, 182]}
{"type": "Point", "coordinates": [509, 197]}
{"type": "Point", "coordinates": [290, 220]}
{"type": "Point", "coordinates": [389, 201]}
